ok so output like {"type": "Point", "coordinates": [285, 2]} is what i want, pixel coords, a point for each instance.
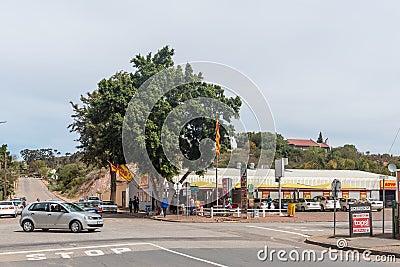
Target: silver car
{"type": "Point", "coordinates": [58, 215]}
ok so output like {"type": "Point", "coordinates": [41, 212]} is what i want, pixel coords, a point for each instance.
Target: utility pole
{"type": "Point", "coordinates": [5, 177]}
{"type": "Point", "coordinates": [5, 171]}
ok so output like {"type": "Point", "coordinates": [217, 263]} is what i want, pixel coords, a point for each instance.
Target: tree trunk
{"type": "Point", "coordinates": [113, 192]}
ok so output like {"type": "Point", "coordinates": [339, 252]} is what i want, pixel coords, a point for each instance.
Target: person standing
{"type": "Point", "coordinates": [269, 201]}
{"type": "Point", "coordinates": [191, 205]}
{"type": "Point", "coordinates": [130, 206]}
{"type": "Point", "coordinates": [136, 210]}
{"type": "Point", "coordinates": [164, 206]}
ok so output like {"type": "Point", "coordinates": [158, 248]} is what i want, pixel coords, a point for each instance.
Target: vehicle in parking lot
{"type": "Point", "coordinates": [108, 206]}
{"type": "Point", "coordinates": [92, 198]}
{"type": "Point", "coordinates": [303, 204]}
{"type": "Point", "coordinates": [92, 206]}
{"type": "Point", "coordinates": [345, 202]}
{"type": "Point", "coordinates": [375, 203]}
{"type": "Point", "coordinates": [22, 199]}
{"type": "Point", "coordinates": [327, 202]}
{"type": "Point", "coordinates": [8, 208]}
{"type": "Point", "coordinates": [18, 205]}
{"type": "Point", "coordinates": [58, 215]}
{"type": "Point", "coordinates": [284, 203]}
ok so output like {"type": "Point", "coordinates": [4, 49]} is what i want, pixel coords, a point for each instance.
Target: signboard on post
{"type": "Point", "coordinates": [336, 187]}
{"type": "Point", "coordinates": [226, 186]}
{"type": "Point", "coordinates": [243, 186]}
{"type": "Point", "coordinates": [360, 219]}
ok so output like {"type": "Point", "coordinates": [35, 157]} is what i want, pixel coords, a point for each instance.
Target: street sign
{"type": "Point", "coordinates": [336, 187]}
{"type": "Point", "coordinates": [243, 186]}
{"type": "Point", "coordinates": [226, 186]}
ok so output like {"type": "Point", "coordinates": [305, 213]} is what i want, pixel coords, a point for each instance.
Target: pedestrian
{"type": "Point", "coordinates": [191, 206]}
{"type": "Point", "coordinates": [130, 206]}
{"type": "Point", "coordinates": [164, 206]}
{"type": "Point", "coordinates": [269, 201]}
{"type": "Point", "coordinates": [136, 205]}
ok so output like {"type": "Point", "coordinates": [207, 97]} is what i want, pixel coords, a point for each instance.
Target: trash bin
{"type": "Point", "coordinates": [147, 210]}
{"type": "Point", "coordinates": [291, 209]}
{"type": "Point", "coordinates": [256, 214]}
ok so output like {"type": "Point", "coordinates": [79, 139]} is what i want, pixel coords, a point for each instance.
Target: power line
{"type": "Point", "coordinates": [394, 141]}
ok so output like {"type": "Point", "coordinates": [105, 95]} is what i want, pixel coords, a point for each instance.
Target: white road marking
{"type": "Point", "coordinates": [190, 257]}
{"type": "Point", "coordinates": [277, 230]}
{"type": "Point", "coordinates": [113, 245]}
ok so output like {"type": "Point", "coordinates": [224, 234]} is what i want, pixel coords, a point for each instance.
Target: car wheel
{"type": "Point", "coordinates": [75, 227]}
{"type": "Point", "coordinates": [14, 216]}
{"type": "Point", "coordinates": [379, 210]}
{"type": "Point", "coordinates": [28, 226]}
{"type": "Point", "coordinates": [303, 209]}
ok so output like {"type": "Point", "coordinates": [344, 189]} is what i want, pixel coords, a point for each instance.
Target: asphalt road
{"type": "Point", "coordinates": [128, 241]}
{"type": "Point", "coordinates": [33, 188]}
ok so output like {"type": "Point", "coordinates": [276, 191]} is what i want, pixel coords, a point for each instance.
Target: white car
{"type": "Point", "coordinates": [18, 205]}
{"type": "Point", "coordinates": [346, 202]}
{"type": "Point", "coordinates": [109, 206]}
{"type": "Point", "coordinates": [8, 208]}
{"type": "Point", "coordinates": [327, 203]}
{"type": "Point", "coordinates": [375, 203]}
{"type": "Point", "coordinates": [307, 204]}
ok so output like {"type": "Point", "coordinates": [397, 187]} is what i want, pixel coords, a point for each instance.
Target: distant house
{"type": "Point", "coordinates": [306, 144]}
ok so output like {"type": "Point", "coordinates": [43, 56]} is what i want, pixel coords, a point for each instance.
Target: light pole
{"type": "Point", "coordinates": [393, 168]}
{"type": "Point", "coordinates": [5, 171]}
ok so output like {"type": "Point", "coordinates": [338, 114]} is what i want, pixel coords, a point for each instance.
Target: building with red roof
{"type": "Point", "coordinates": [306, 144]}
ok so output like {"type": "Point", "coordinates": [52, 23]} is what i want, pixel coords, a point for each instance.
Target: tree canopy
{"type": "Point", "coordinates": [99, 118]}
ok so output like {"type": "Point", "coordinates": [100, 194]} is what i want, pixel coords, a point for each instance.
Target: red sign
{"type": "Point", "coordinates": [361, 223]}
{"type": "Point", "coordinates": [389, 185]}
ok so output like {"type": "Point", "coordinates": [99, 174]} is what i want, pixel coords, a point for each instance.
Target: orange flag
{"type": "Point", "coordinates": [217, 139]}
{"type": "Point", "coordinates": [113, 168]}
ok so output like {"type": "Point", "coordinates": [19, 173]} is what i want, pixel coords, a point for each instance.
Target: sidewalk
{"type": "Point", "coordinates": [377, 244]}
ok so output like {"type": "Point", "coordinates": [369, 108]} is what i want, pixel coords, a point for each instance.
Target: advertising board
{"type": "Point", "coordinates": [360, 219]}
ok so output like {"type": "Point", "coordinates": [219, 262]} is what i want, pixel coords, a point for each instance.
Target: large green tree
{"type": "Point", "coordinates": [99, 119]}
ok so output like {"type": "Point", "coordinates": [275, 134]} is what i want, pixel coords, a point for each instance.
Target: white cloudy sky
{"type": "Point", "coordinates": [330, 66]}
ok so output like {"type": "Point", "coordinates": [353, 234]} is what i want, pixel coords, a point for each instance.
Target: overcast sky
{"type": "Point", "coordinates": [330, 66]}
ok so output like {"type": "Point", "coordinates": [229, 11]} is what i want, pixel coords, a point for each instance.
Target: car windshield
{"type": "Point", "coordinates": [6, 203]}
{"type": "Point", "coordinates": [72, 207]}
{"type": "Point", "coordinates": [108, 203]}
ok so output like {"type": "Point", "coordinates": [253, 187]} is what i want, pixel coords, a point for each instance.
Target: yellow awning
{"type": "Point", "coordinates": [329, 187]}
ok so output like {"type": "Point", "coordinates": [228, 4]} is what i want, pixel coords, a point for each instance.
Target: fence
{"type": "Point", "coordinates": [236, 212]}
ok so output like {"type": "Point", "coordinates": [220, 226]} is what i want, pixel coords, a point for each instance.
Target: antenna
{"type": "Point", "coordinates": [394, 141]}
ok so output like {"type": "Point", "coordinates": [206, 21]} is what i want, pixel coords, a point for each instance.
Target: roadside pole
{"type": "Point", "coordinates": [279, 173]}
{"type": "Point", "coordinates": [336, 187]}
{"type": "Point", "coordinates": [384, 201]}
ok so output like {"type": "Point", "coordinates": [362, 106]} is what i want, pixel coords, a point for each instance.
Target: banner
{"type": "Point", "coordinates": [144, 181]}
{"type": "Point", "coordinates": [125, 173]}
{"type": "Point", "coordinates": [217, 139]}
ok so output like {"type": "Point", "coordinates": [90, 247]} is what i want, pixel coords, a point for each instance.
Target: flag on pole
{"type": "Point", "coordinates": [125, 173]}
{"type": "Point", "coordinates": [217, 139]}
{"type": "Point", "coordinates": [113, 168]}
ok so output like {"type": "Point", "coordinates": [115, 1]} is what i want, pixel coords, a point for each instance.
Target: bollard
{"type": "Point", "coordinates": [263, 212]}
{"type": "Point", "coordinates": [238, 212]}
{"type": "Point", "coordinates": [212, 212]}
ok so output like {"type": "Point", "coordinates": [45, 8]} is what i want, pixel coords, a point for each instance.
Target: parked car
{"type": "Point", "coordinates": [92, 198]}
{"type": "Point", "coordinates": [18, 205]}
{"type": "Point", "coordinates": [108, 206]}
{"type": "Point", "coordinates": [375, 203]}
{"type": "Point", "coordinates": [8, 208]}
{"type": "Point", "coordinates": [90, 206]}
{"type": "Point", "coordinates": [327, 202]}
{"type": "Point", "coordinates": [303, 204]}
{"type": "Point", "coordinates": [22, 199]}
{"type": "Point", "coordinates": [58, 215]}
{"type": "Point", "coordinates": [284, 203]}
{"type": "Point", "coordinates": [345, 202]}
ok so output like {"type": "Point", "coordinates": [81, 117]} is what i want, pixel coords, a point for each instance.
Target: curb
{"type": "Point", "coordinates": [359, 249]}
